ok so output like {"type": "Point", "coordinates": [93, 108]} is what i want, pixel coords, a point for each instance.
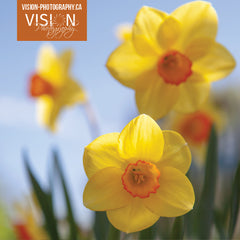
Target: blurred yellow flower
{"type": "Point", "coordinates": [171, 59]}
{"type": "Point", "coordinates": [124, 31]}
{"type": "Point", "coordinates": [21, 232]}
{"type": "Point", "coordinates": [30, 228]}
{"type": "Point", "coordinates": [138, 175]}
{"type": "Point", "coordinates": [195, 127]}
{"type": "Point", "coordinates": [53, 85]}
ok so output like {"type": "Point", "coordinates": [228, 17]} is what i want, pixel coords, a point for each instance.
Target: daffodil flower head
{"type": "Point", "coordinates": [21, 231]}
{"type": "Point", "coordinates": [138, 175]}
{"type": "Point", "coordinates": [196, 127]}
{"type": "Point", "coordinates": [171, 59]}
{"type": "Point", "coordinates": [53, 85]}
{"type": "Point", "coordinates": [30, 226]}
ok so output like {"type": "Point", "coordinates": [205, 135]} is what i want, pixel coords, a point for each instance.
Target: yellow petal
{"type": "Point", "coordinates": [126, 65]}
{"type": "Point", "coordinates": [132, 218]}
{"type": "Point", "coordinates": [153, 96]}
{"type": "Point", "coordinates": [217, 64]}
{"type": "Point", "coordinates": [49, 67]}
{"type": "Point", "coordinates": [198, 48]}
{"type": "Point", "coordinates": [199, 20]}
{"type": "Point", "coordinates": [174, 197]}
{"type": "Point", "coordinates": [176, 152]}
{"type": "Point", "coordinates": [48, 111]}
{"type": "Point", "coordinates": [71, 93]}
{"type": "Point", "coordinates": [168, 32]}
{"type": "Point", "coordinates": [145, 29]}
{"type": "Point", "coordinates": [192, 94]}
{"type": "Point", "coordinates": [102, 153]}
{"type": "Point", "coordinates": [66, 59]}
{"type": "Point", "coordinates": [104, 190]}
{"type": "Point", "coordinates": [141, 139]}
{"type": "Point", "coordinates": [49, 108]}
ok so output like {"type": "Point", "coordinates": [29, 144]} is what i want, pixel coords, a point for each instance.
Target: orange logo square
{"type": "Point", "coordinates": [42, 20]}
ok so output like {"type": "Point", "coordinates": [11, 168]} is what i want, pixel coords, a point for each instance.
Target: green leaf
{"type": "Point", "coordinates": [113, 233]}
{"type": "Point", "coordinates": [71, 220]}
{"type": "Point", "coordinates": [235, 199]}
{"type": "Point", "coordinates": [163, 227]}
{"type": "Point", "coordinates": [204, 213]}
{"type": "Point", "coordinates": [219, 223]}
{"type": "Point", "coordinates": [178, 228]}
{"type": "Point", "coordinates": [189, 217]}
{"type": "Point", "coordinates": [101, 226]}
{"type": "Point", "coordinates": [148, 233]}
{"type": "Point", "coordinates": [44, 200]}
{"type": "Point", "coordinates": [51, 190]}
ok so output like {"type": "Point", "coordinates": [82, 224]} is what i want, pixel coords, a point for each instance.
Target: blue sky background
{"type": "Point", "coordinates": [114, 104]}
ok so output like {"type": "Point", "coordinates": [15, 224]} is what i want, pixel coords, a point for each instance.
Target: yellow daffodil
{"type": "Point", "coordinates": [138, 175]}
{"type": "Point", "coordinates": [171, 59]}
{"type": "Point", "coordinates": [21, 232]}
{"type": "Point", "coordinates": [29, 228]}
{"type": "Point", "coordinates": [195, 127]}
{"type": "Point", "coordinates": [124, 31]}
{"type": "Point", "coordinates": [53, 85]}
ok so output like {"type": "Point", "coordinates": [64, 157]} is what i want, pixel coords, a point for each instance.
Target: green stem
{"type": "Point", "coordinates": [113, 233]}
{"type": "Point", "coordinates": [148, 234]}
